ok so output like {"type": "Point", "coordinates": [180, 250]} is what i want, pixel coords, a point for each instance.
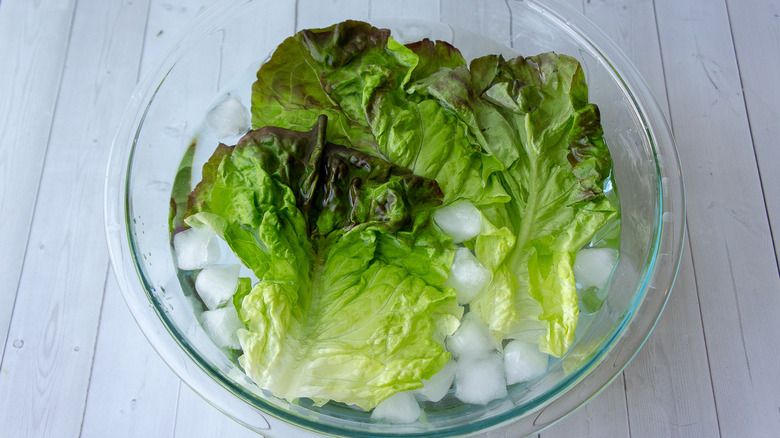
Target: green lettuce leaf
{"type": "Point", "coordinates": [181, 190]}
{"type": "Point", "coordinates": [288, 92]}
{"type": "Point", "coordinates": [533, 115]}
{"type": "Point", "coordinates": [364, 79]}
{"type": "Point", "coordinates": [350, 305]}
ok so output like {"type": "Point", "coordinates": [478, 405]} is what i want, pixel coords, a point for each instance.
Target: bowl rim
{"type": "Point", "coordinates": [618, 350]}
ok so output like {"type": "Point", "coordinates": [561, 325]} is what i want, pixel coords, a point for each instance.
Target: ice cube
{"type": "Point", "coordinates": [523, 362]}
{"type": "Point", "coordinates": [467, 276]}
{"type": "Point", "coordinates": [471, 339]}
{"type": "Point", "coordinates": [461, 220]}
{"type": "Point", "coordinates": [400, 407]}
{"type": "Point", "coordinates": [195, 248]}
{"type": "Point", "coordinates": [435, 388]}
{"type": "Point", "coordinates": [593, 266]}
{"type": "Point", "coordinates": [480, 380]}
{"type": "Point", "coordinates": [221, 326]}
{"type": "Point", "coordinates": [228, 118]}
{"type": "Point", "coordinates": [216, 284]}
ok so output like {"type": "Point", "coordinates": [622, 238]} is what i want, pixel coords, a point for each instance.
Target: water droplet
{"type": "Point", "coordinates": [76, 348]}
{"type": "Point", "coordinates": [18, 343]}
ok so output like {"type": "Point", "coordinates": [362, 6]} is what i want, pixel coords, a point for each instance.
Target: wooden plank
{"type": "Point", "coordinates": [145, 403]}
{"type": "Point", "coordinates": [323, 13]}
{"type": "Point", "coordinates": [755, 25]}
{"type": "Point", "coordinates": [668, 385]}
{"type": "Point", "coordinates": [676, 351]}
{"type": "Point", "coordinates": [132, 393]}
{"type": "Point", "coordinates": [733, 257]}
{"type": "Point", "coordinates": [43, 384]}
{"type": "Point", "coordinates": [603, 416]}
{"type": "Point", "coordinates": [164, 27]}
{"type": "Point", "coordinates": [214, 423]}
{"type": "Point", "coordinates": [631, 25]}
{"type": "Point", "coordinates": [408, 9]}
{"type": "Point", "coordinates": [33, 44]}
{"type": "Point", "coordinates": [487, 18]}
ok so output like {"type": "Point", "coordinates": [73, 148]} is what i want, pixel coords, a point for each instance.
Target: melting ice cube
{"type": "Point", "coordinates": [467, 276]}
{"type": "Point", "coordinates": [228, 118]}
{"type": "Point", "coordinates": [435, 388]}
{"type": "Point", "coordinates": [216, 284]}
{"type": "Point", "coordinates": [593, 266]}
{"type": "Point", "coordinates": [480, 380]}
{"type": "Point", "coordinates": [221, 326]}
{"type": "Point", "coordinates": [523, 362]}
{"type": "Point", "coordinates": [195, 248]}
{"type": "Point", "coordinates": [471, 339]}
{"type": "Point", "coordinates": [400, 407]}
{"type": "Point", "coordinates": [461, 220]}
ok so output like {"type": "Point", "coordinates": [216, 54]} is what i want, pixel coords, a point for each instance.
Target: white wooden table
{"type": "Point", "coordinates": [75, 363]}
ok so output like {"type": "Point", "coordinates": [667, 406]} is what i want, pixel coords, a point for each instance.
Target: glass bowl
{"type": "Point", "coordinates": [221, 52]}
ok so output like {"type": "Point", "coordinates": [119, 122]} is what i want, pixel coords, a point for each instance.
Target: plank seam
{"type": "Point", "coordinates": [143, 45]}
{"type": "Point", "coordinates": [625, 399]}
{"type": "Point", "coordinates": [704, 333]}
{"type": "Point", "coordinates": [511, 24]}
{"type": "Point", "coordinates": [295, 20]}
{"type": "Point", "coordinates": [739, 311]}
{"type": "Point", "coordinates": [94, 348]}
{"type": "Point", "coordinates": [40, 179]}
{"type": "Point", "coordinates": [752, 140]}
{"type": "Point", "coordinates": [176, 418]}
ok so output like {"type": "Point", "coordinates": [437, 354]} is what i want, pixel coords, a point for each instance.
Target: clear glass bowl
{"type": "Point", "coordinates": [221, 52]}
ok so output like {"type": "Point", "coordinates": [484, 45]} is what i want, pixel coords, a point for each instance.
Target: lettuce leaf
{"type": "Point", "coordinates": [516, 137]}
{"type": "Point", "coordinates": [533, 114]}
{"type": "Point", "coordinates": [350, 305]}
{"type": "Point", "coordinates": [288, 92]}
{"type": "Point", "coordinates": [181, 190]}
{"type": "Point", "coordinates": [362, 75]}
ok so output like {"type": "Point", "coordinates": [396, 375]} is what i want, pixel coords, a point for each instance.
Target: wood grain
{"type": "Point", "coordinates": [33, 43]}
{"type": "Point", "coordinates": [43, 384]}
{"type": "Point", "coordinates": [733, 257]}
